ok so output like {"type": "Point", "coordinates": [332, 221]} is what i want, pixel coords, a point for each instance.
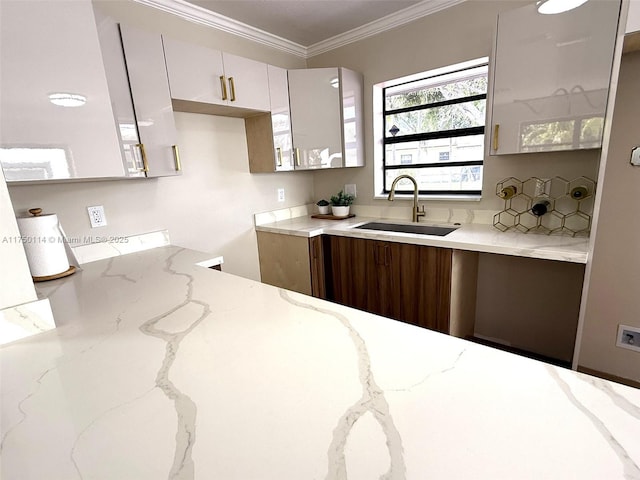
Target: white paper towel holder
{"type": "Point", "coordinates": [72, 269]}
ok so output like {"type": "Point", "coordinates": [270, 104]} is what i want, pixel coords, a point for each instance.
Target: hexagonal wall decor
{"type": "Point", "coordinates": [568, 205]}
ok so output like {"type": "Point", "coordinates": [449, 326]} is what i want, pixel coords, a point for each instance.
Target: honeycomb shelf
{"type": "Point", "coordinates": [568, 205]}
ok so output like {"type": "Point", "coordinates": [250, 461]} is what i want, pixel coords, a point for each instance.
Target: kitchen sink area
{"type": "Point", "coordinates": [415, 228]}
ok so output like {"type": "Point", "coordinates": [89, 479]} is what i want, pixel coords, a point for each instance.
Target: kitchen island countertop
{"type": "Point", "coordinates": [474, 237]}
{"type": "Point", "coordinates": [160, 368]}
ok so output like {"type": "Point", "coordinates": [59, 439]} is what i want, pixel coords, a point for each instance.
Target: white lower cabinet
{"type": "Point", "coordinates": [56, 119]}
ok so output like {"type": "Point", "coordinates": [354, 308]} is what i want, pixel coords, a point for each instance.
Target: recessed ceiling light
{"type": "Point", "coordinates": [67, 99]}
{"type": "Point", "coordinates": [551, 7]}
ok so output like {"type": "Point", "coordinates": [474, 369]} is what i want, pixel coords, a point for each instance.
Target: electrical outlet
{"type": "Point", "coordinates": [628, 337]}
{"type": "Point", "coordinates": [97, 216]}
{"type": "Point", "coordinates": [281, 194]}
{"type": "Point", "coordinates": [350, 189]}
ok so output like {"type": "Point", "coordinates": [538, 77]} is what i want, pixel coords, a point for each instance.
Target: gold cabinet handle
{"type": "Point", "coordinates": [232, 88]}
{"type": "Point", "coordinates": [496, 133]}
{"type": "Point", "coordinates": [176, 158]}
{"type": "Point", "coordinates": [279, 156]}
{"type": "Point", "coordinates": [143, 153]}
{"type": "Point", "coordinates": [223, 87]}
{"type": "Point", "coordinates": [298, 157]}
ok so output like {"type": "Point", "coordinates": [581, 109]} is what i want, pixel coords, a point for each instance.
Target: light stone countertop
{"type": "Point", "coordinates": [164, 369]}
{"type": "Point", "coordinates": [474, 237]}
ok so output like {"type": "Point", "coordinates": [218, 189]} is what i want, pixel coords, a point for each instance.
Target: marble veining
{"type": "Point", "coordinates": [191, 373]}
{"type": "Point", "coordinates": [372, 401]}
{"type": "Point", "coordinates": [469, 236]}
{"type": "Point", "coordinates": [186, 409]}
{"type": "Point", "coordinates": [631, 470]}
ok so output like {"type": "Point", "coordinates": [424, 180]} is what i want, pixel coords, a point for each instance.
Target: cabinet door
{"type": "Point", "coordinates": [120, 93]}
{"type": "Point", "coordinates": [316, 253]}
{"type": "Point", "coordinates": [280, 118]}
{"type": "Point", "coordinates": [195, 72]}
{"type": "Point", "coordinates": [551, 78]}
{"type": "Point", "coordinates": [150, 92]}
{"type": "Point", "coordinates": [351, 88]}
{"type": "Point", "coordinates": [316, 120]}
{"type": "Point", "coordinates": [284, 261]}
{"type": "Point", "coordinates": [633, 17]}
{"type": "Point", "coordinates": [53, 48]}
{"type": "Point", "coordinates": [349, 276]}
{"type": "Point", "coordinates": [248, 82]}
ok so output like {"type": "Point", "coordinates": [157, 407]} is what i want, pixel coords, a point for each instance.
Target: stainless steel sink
{"type": "Point", "coordinates": [411, 228]}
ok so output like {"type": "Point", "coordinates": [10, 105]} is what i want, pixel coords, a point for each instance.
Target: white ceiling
{"type": "Point", "coordinates": [302, 27]}
{"type": "Point", "coordinates": [305, 22]}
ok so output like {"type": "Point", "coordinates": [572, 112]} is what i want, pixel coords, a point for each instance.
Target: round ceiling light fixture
{"type": "Point", "coordinates": [551, 7]}
{"type": "Point", "coordinates": [67, 99]}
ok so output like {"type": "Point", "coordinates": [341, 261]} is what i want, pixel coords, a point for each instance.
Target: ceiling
{"type": "Point", "coordinates": [306, 22]}
{"type": "Point", "coordinates": [302, 27]}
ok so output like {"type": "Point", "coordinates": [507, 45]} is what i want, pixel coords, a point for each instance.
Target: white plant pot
{"type": "Point", "coordinates": [340, 211]}
{"type": "Point", "coordinates": [324, 210]}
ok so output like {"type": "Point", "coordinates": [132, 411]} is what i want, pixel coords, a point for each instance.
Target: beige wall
{"type": "Point", "coordinates": [16, 286]}
{"type": "Point", "coordinates": [211, 206]}
{"type": "Point", "coordinates": [455, 35]}
{"type": "Point", "coordinates": [612, 295]}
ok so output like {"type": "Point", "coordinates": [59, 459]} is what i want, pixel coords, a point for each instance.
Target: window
{"type": "Point", "coordinates": [433, 128]}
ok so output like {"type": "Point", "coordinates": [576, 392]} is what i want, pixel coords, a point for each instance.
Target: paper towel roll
{"type": "Point", "coordinates": [44, 245]}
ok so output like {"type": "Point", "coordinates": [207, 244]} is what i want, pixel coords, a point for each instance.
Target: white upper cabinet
{"type": "Point", "coordinates": [326, 117]}
{"type": "Point", "coordinates": [149, 86]}
{"type": "Point", "coordinates": [50, 52]}
{"type": "Point", "coordinates": [248, 82]}
{"type": "Point", "coordinates": [351, 88]}
{"type": "Point", "coordinates": [280, 118]}
{"type": "Point", "coordinates": [195, 73]}
{"type": "Point", "coordinates": [633, 18]}
{"type": "Point", "coordinates": [204, 75]}
{"type": "Point", "coordinates": [551, 78]}
{"type": "Point", "coordinates": [314, 96]}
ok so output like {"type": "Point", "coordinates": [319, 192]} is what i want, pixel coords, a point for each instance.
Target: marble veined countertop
{"type": "Point", "coordinates": [162, 369]}
{"type": "Point", "coordinates": [475, 237]}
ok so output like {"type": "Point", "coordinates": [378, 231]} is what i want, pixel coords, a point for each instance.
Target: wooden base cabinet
{"type": "Point", "coordinates": [291, 262]}
{"type": "Point", "coordinates": [405, 282]}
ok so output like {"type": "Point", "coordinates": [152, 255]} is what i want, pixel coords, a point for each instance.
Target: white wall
{"type": "Point", "coordinates": [16, 286]}
{"type": "Point", "coordinates": [211, 206]}
{"type": "Point", "coordinates": [454, 35]}
{"type": "Point", "coordinates": [612, 295]}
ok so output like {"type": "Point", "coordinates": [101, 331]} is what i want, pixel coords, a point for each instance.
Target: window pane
{"type": "Point", "coordinates": [448, 117]}
{"type": "Point", "coordinates": [441, 150]}
{"type": "Point", "coordinates": [437, 89]}
{"type": "Point", "coordinates": [438, 178]}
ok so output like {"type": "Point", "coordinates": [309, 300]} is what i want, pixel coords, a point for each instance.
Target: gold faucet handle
{"type": "Point", "coordinates": [420, 210]}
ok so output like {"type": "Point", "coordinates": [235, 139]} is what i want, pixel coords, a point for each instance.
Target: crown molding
{"type": "Point", "coordinates": [202, 16]}
{"type": "Point", "coordinates": [401, 17]}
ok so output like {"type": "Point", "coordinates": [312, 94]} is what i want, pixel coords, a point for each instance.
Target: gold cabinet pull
{"type": "Point", "coordinates": [496, 133]}
{"type": "Point", "coordinates": [143, 154]}
{"type": "Point", "coordinates": [176, 158]}
{"type": "Point", "coordinates": [232, 88]}
{"type": "Point", "coordinates": [223, 87]}
{"type": "Point", "coordinates": [279, 156]}
{"type": "Point", "coordinates": [298, 157]}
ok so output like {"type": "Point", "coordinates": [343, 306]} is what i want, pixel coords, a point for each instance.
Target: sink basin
{"type": "Point", "coordinates": [404, 228]}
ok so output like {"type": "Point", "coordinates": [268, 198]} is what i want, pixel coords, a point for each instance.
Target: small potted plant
{"type": "Point", "coordinates": [323, 206]}
{"type": "Point", "coordinates": [340, 204]}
